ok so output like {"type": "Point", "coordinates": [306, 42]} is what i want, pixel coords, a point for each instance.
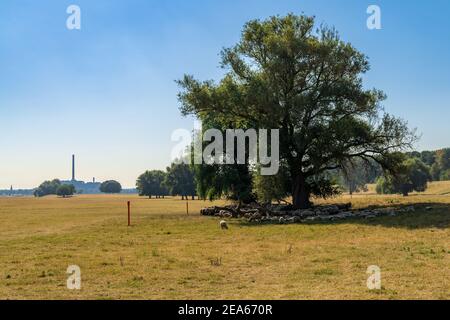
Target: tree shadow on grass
{"type": "Point", "coordinates": [421, 218]}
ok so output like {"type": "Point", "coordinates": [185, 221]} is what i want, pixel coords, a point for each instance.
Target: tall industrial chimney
{"type": "Point", "coordinates": [73, 167]}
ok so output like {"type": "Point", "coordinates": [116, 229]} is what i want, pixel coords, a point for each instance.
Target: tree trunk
{"type": "Point", "coordinates": [193, 197]}
{"type": "Point", "coordinates": [300, 192]}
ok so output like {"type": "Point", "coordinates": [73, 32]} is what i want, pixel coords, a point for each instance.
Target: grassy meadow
{"type": "Point", "coordinates": [167, 254]}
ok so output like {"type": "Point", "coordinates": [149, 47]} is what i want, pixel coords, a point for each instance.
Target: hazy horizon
{"type": "Point", "coordinates": [107, 92]}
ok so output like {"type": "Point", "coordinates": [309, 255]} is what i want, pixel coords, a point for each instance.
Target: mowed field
{"type": "Point", "coordinates": [167, 254]}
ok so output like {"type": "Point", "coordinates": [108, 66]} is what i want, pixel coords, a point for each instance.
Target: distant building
{"type": "Point", "coordinates": [81, 186]}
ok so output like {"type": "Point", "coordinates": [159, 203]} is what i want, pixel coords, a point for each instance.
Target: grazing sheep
{"type": "Point", "coordinates": [223, 225]}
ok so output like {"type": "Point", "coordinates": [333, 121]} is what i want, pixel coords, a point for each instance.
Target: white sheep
{"type": "Point", "coordinates": [223, 225]}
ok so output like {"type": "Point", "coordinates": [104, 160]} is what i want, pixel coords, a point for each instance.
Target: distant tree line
{"type": "Point", "coordinates": [438, 162]}
{"type": "Point", "coordinates": [177, 180]}
{"type": "Point", "coordinates": [207, 182]}
{"type": "Point", "coordinates": [413, 173]}
{"type": "Point", "coordinates": [16, 192]}
{"type": "Point", "coordinates": [56, 187]}
{"type": "Point", "coordinates": [416, 171]}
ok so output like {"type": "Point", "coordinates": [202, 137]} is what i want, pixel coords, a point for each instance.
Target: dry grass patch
{"type": "Point", "coordinates": [169, 255]}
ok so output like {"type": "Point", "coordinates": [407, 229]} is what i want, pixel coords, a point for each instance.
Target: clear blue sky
{"type": "Point", "coordinates": [107, 92]}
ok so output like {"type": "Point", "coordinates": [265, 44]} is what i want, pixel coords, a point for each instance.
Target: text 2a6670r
{"type": "Point", "coordinates": [246, 309]}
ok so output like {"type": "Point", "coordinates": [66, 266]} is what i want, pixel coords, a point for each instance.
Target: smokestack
{"type": "Point", "coordinates": [73, 167]}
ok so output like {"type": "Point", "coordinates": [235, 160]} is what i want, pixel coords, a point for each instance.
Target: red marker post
{"type": "Point", "coordinates": [129, 213]}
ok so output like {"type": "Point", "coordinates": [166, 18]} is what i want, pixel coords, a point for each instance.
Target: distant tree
{"type": "Point", "coordinates": [445, 175]}
{"type": "Point", "coordinates": [441, 164]}
{"type": "Point", "coordinates": [180, 180]}
{"type": "Point", "coordinates": [428, 157]}
{"type": "Point", "coordinates": [47, 188]}
{"type": "Point", "coordinates": [150, 183]}
{"type": "Point", "coordinates": [65, 190]}
{"type": "Point", "coordinates": [413, 176]}
{"type": "Point", "coordinates": [435, 172]}
{"type": "Point", "coordinates": [111, 186]}
{"type": "Point", "coordinates": [443, 158]}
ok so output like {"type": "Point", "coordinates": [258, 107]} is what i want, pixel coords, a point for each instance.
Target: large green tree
{"type": "Point", "coordinates": [65, 190]}
{"type": "Point", "coordinates": [150, 183]}
{"type": "Point", "coordinates": [180, 180]}
{"type": "Point", "coordinates": [413, 176]}
{"type": "Point", "coordinates": [286, 74]}
{"type": "Point", "coordinates": [47, 188]}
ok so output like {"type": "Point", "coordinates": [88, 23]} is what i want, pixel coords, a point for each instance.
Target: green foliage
{"type": "Point", "coordinates": [233, 182]}
{"type": "Point", "coordinates": [439, 161]}
{"type": "Point", "coordinates": [443, 158]}
{"type": "Point", "coordinates": [272, 188]}
{"type": "Point", "coordinates": [445, 175]}
{"type": "Point", "coordinates": [413, 176]}
{"type": "Point", "coordinates": [65, 190]}
{"type": "Point", "coordinates": [180, 180]}
{"type": "Point", "coordinates": [150, 183]}
{"type": "Point", "coordinates": [323, 186]}
{"type": "Point", "coordinates": [435, 172]}
{"type": "Point", "coordinates": [111, 186]}
{"type": "Point", "coordinates": [441, 165]}
{"type": "Point", "coordinates": [284, 75]}
{"type": "Point", "coordinates": [47, 188]}
{"type": "Point", "coordinates": [428, 157]}
{"type": "Point", "coordinates": [384, 185]}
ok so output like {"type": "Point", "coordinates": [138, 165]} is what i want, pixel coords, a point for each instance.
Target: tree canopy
{"type": "Point", "coordinates": [180, 180]}
{"type": "Point", "coordinates": [441, 167]}
{"type": "Point", "coordinates": [65, 190]}
{"type": "Point", "coordinates": [111, 186]}
{"type": "Point", "coordinates": [47, 188]}
{"type": "Point", "coordinates": [150, 183]}
{"type": "Point", "coordinates": [286, 74]}
{"type": "Point", "coordinates": [272, 187]}
{"type": "Point", "coordinates": [413, 176]}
